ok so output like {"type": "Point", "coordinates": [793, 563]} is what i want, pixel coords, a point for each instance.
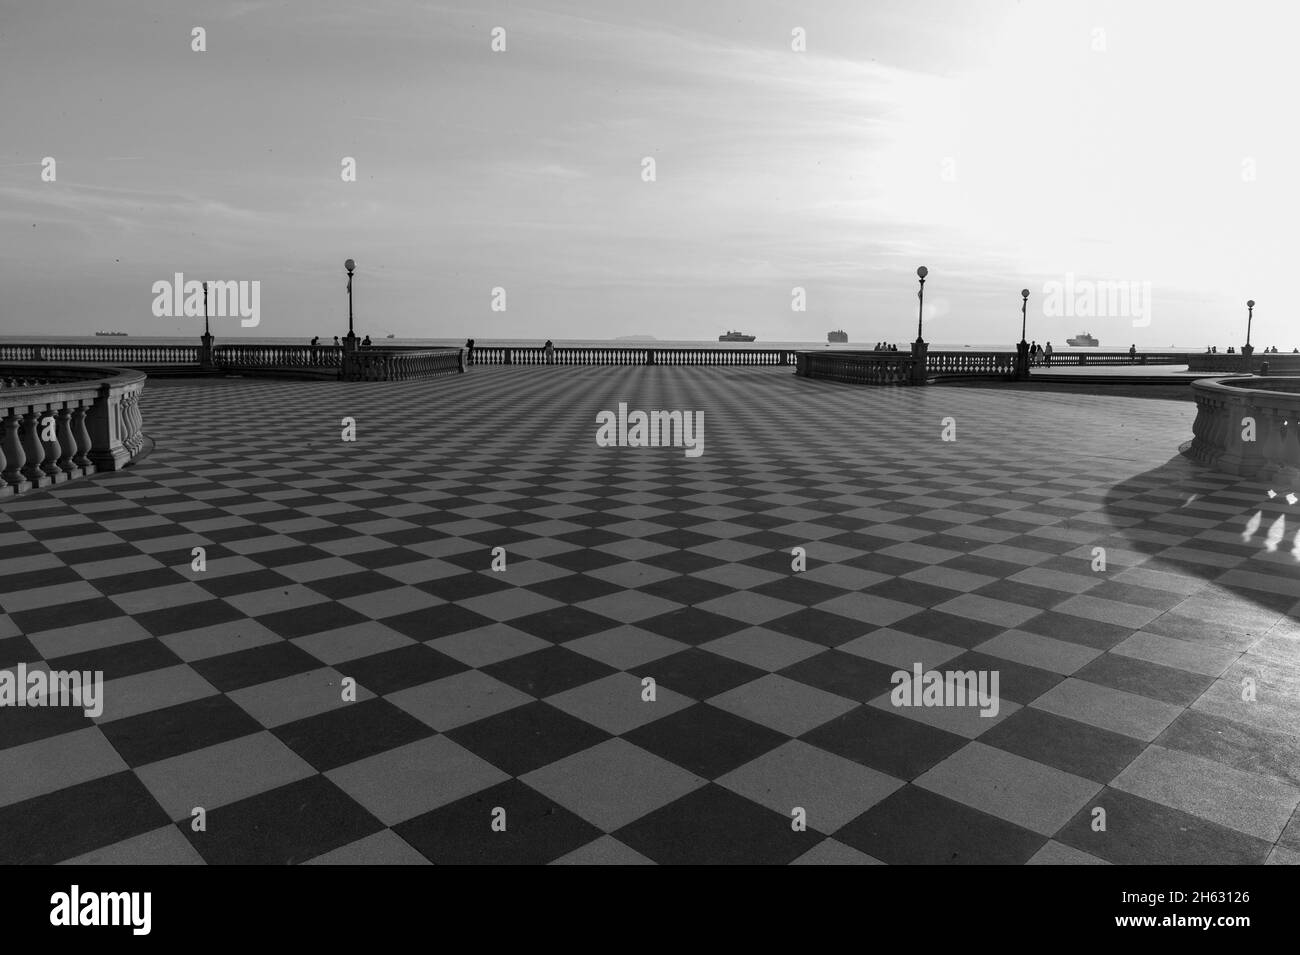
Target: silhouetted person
{"type": "Point", "coordinates": [1132, 352]}
{"type": "Point", "coordinates": [548, 350]}
{"type": "Point", "coordinates": [315, 340]}
{"type": "Point", "coordinates": [365, 342]}
{"type": "Point", "coordinates": [336, 341]}
{"type": "Point", "coordinates": [1047, 355]}
{"type": "Point", "coordinates": [469, 351]}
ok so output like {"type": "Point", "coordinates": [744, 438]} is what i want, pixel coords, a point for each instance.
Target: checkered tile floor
{"type": "Point", "coordinates": [522, 689]}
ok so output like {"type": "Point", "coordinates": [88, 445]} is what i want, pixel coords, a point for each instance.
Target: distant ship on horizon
{"type": "Point", "coordinates": [1084, 339]}
{"type": "Point", "coordinates": [121, 334]}
{"type": "Point", "coordinates": [840, 336]}
{"type": "Point", "coordinates": [735, 337]}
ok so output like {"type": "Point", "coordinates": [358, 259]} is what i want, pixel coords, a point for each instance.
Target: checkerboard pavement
{"type": "Point", "coordinates": [522, 689]}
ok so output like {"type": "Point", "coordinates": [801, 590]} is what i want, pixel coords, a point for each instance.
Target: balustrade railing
{"type": "Point", "coordinates": [66, 421]}
{"type": "Point", "coordinates": [378, 364]}
{"type": "Point", "coordinates": [626, 355]}
{"type": "Point", "coordinates": [863, 368]}
{"type": "Point", "coordinates": [994, 364]}
{"type": "Point", "coordinates": [277, 356]}
{"type": "Point", "coordinates": [1248, 426]}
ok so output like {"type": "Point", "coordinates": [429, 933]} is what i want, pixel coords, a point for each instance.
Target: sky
{"type": "Point", "coordinates": [1002, 145]}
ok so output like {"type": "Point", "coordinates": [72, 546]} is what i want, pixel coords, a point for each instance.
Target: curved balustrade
{"type": "Point", "coordinates": [862, 368]}
{"type": "Point", "coordinates": [109, 354]}
{"type": "Point", "coordinates": [277, 356]}
{"type": "Point", "coordinates": [77, 420]}
{"type": "Point", "coordinates": [1248, 426]}
{"type": "Point", "coordinates": [627, 355]}
{"type": "Point", "coordinates": [379, 364]}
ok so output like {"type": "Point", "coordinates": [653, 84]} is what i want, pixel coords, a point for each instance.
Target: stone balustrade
{"type": "Point", "coordinates": [65, 421]}
{"type": "Point", "coordinates": [861, 368]}
{"type": "Point", "coordinates": [1000, 364]}
{"type": "Point", "coordinates": [627, 355]}
{"type": "Point", "coordinates": [1248, 426]}
{"type": "Point", "coordinates": [401, 364]}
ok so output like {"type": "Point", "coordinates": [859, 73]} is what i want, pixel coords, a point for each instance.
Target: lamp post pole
{"type": "Point", "coordinates": [1248, 350]}
{"type": "Point", "coordinates": [205, 351]}
{"type": "Point", "coordinates": [350, 342]}
{"type": "Point", "coordinates": [921, 273]}
{"type": "Point", "coordinates": [919, 376]}
{"type": "Point", "coordinates": [1022, 349]}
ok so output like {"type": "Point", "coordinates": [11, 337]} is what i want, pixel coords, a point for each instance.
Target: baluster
{"type": "Point", "coordinates": [63, 428]}
{"type": "Point", "coordinates": [82, 436]}
{"type": "Point", "coordinates": [34, 451]}
{"type": "Point", "coordinates": [50, 464]}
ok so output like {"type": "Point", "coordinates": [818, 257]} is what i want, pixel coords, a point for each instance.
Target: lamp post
{"type": "Point", "coordinates": [921, 273]}
{"type": "Point", "coordinates": [1022, 349]}
{"type": "Point", "coordinates": [1247, 351]}
{"type": "Point", "coordinates": [919, 347]}
{"type": "Point", "coordinates": [350, 342]}
{"type": "Point", "coordinates": [205, 351]}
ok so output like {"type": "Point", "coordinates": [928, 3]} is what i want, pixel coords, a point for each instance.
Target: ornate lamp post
{"type": "Point", "coordinates": [1022, 349]}
{"type": "Point", "coordinates": [350, 342]}
{"type": "Point", "coordinates": [919, 346]}
{"type": "Point", "coordinates": [1248, 350]}
{"type": "Point", "coordinates": [205, 351]}
{"type": "Point", "coordinates": [921, 273]}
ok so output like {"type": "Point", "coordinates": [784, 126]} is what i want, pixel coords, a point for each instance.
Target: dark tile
{"type": "Point", "coordinates": [284, 826]}
{"type": "Point", "coordinates": [274, 661]}
{"type": "Point", "coordinates": [818, 626]}
{"type": "Point", "coordinates": [561, 624]}
{"type": "Point", "coordinates": [399, 669]}
{"type": "Point", "coordinates": [1141, 832]}
{"type": "Point", "coordinates": [904, 748]}
{"type": "Point", "coordinates": [914, 826]}
{"type": "Point", "coordinates": [1145, 679]}
{"type": "Point", "coordinates": [93, 610]}
{"type": "Point", "coordinates": [123, 659]}
{"type": "Point", "coordinates": [714, 826]}
{"type": "Point", "coordinates": [428, 623]}
{"type": "Point", "coordinates": [699, 674]}
{"type": "Point", "coordinates": [174, 730]}
{"type": "Point", "coordinates": [76, 820]}
{"type": "Point", "coordinates": [547, 672]}
{"type": "Point", "coordinates": [691, 625]}
{"type": "Point", "coordinates": [351, 733]}
{"type": "Point", "coordinates": [843, 674]}
{"type": "Point", "coordinates": [705, 740]}
{"type": "Point", "coordinates": [527, 737]}
{"type": "Point", "coordinates": [1064, 744]}
{"type": "Point", "coordinates": [685, 589]}
{"type": "Point", "coordinates": [537, 830]}
{"type": "Point", "coordinates": [313, 618]}
{"type": "Point", "coordinates": [1065, 626]}
{"type": "Point", "coordinates": [192, 616]}
{"type": "Point", "coordinates": [948, 628]}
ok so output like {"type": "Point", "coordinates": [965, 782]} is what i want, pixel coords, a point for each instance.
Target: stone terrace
{"type": "Point", "coordinates": [522, 689]}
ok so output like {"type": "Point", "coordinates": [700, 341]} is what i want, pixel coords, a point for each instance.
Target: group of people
{"type": "Point", "coordinates": [885, 346]}
{"type": "Point", "coordinates": [1040, 354]}
{"type": "Point", "coordinates": [1214, 350]}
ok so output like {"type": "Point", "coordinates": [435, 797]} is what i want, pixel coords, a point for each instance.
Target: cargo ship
{"type": "Point", "coordinates": [1084, 340]}
{"type": "Point", "coordinates": [840, 337]}
{"type": "Point", "coordinates": [735, 337]}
